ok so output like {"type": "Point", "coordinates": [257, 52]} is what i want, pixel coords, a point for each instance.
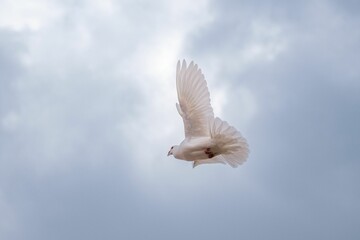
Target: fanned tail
{"type": "Point", "coordinates": [230, 145]}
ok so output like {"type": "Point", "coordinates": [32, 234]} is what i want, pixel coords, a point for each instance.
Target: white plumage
{"type": "Point", "coordinates": [207, 139]}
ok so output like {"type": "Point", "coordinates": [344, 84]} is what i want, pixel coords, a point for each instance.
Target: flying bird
{"type": "Point", "coordinates": [207, 139]}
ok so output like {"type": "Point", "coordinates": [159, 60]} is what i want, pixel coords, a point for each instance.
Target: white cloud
{"type": "Point", "coordinates": [153, 66]}
{"type": "Point", "coordinates": [267, 41]}
{"type": "Point", "coordinates": [90, 57]}
{"type": "Point", "coordinates": [34, 15]}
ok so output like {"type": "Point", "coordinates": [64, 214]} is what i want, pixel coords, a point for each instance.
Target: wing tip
{"type": "Point", "coordinates": [183, 63]}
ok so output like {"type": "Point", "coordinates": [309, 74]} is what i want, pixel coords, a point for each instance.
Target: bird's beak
{"type": "Point", "coordinates": [169, 153]}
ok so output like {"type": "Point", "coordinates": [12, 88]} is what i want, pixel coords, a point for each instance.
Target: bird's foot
{"type": "Point", "coordinates": [209, 153]}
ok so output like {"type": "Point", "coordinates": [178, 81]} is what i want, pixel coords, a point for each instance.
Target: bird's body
{"type": "Point", "coordinates": [192, 149]}
{"type": "Point", "coordinates": [207, 139]}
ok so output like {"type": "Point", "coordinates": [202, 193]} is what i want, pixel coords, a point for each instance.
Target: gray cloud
{"type": "Point", "coordinates": [87, 116]}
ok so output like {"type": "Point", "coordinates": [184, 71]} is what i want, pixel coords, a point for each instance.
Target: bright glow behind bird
{"type": "Point", "coordinates": [207, 139]}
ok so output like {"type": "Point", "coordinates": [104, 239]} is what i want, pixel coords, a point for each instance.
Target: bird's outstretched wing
{"type": "Point", "coordinates": [194, 100]}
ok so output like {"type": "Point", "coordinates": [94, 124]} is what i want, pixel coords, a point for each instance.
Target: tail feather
{"type": "Point", "coordinates": [229, 142]}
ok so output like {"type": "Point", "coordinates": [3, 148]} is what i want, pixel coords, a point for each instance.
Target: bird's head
{"type": "Point", "coordinates": [172, 150]}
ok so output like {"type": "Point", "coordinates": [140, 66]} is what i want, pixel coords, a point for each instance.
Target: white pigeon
{"type": "Point", "coordinates": [207, 139]}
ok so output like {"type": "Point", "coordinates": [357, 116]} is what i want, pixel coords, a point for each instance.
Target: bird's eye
{"type": "Point", "coordinates": [172, 147]}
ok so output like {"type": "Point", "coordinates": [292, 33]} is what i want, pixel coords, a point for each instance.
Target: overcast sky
{"type": "Point", "coordinates": [87, 116]}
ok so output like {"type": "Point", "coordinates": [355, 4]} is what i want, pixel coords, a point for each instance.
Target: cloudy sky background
{"type": "Point", "coordinates": [87, 115]}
